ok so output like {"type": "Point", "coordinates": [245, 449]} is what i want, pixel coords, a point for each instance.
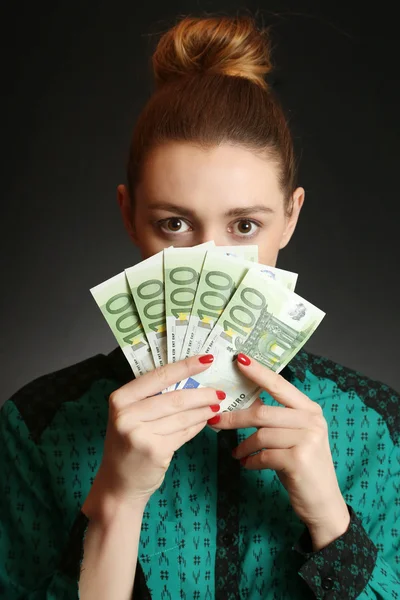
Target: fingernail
{"type": "Point", "coordinates": [215, 407]}
{"type": "Point", "coordinates": [220, 395]}
{"type": "Point", "coordinates": [206, 359]}
{"type": "Point", "coordinates": [214, 420]}
{"type": "Point", "coordinates": [243, 359]}
{"type": "Point", "coordinates": [243, 461]}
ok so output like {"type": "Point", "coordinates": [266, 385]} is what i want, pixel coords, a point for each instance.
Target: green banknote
{"type": "Point", "coordinates": [182, 267]}
{"type": "Point", "coordinates": [115, 301]}
{"type": "Point", "coordinates": [264, 320]}
{"type": "Point", "coordinates": [249, 252]}
{"type": "Point", "coordinates": [219, 278]}
{"type": "Point", "coordinates": [286, 278]}
{"type": "Point", "coordinates": [146, 281]}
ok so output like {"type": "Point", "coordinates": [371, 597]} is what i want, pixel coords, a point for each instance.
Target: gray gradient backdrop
{"type": "Point", "coordinates": [77, 75]}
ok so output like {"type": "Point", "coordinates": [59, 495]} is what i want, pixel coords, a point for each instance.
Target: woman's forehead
{"type": "Point", "coordinates": [229, 175]}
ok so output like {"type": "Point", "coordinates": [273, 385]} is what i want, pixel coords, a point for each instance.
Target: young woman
{"type": "Point", "coordinates": [111, 491]}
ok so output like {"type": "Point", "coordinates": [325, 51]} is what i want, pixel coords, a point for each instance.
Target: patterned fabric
{"type": "Point", "coordinates": [349, 560]}
{"type": "Point", "coordinates": [213, 530]}
{"type": "Point", "coordinates": [226, 568]}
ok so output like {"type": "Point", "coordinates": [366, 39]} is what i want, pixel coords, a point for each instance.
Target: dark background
{"type": "Point", "coordinates": [76, 76]}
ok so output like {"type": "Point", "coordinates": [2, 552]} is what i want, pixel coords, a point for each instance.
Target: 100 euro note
{"type": "Point", "coordinates": [248, 252]}
{"type": "Point", "coordinates": [182, 267]}
{"type": "Point", "coordinates": [219, 278]}
{"type": "Point", "coordinates": [286, 278]}
{"type": "Point", "coordinates": [146, 282]}
{"type": "Point", "coordinates": [115, 301]}
{"type": "Point", "coordinates": [264, 320]}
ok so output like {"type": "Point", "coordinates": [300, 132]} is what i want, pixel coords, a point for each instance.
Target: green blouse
{"type": "Point", "coordinates": [214, 530]}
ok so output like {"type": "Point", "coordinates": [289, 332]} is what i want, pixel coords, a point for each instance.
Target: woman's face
{"type": "Point", "coordinates": [188, 196]}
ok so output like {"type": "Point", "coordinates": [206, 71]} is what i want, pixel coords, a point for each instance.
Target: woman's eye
{"type": "Point", "coordinates": [245, 227]}
{"type": "Point", "coordinates": [174, 225]}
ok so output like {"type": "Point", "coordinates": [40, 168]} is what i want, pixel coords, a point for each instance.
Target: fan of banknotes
{"type": "Point", "coordinates": [207, 299]}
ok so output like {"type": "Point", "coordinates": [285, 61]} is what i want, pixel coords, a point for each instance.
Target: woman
{"type": "Point", "coordinates": [113, 491]}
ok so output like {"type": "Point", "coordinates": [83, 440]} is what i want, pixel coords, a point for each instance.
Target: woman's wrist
{"type": "Point", "coordinates": [103, 505]}
{"type": "Point", "coordinates": [333, 528]}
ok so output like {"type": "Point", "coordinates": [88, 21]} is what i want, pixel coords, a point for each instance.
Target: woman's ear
{"type": "Point", "coordinates": [125, 206]}
{"type": "Point", "coordinates": [297, 202]}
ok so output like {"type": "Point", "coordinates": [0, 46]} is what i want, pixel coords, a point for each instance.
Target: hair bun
{"type": "Point", "coordinates": [219, 45]}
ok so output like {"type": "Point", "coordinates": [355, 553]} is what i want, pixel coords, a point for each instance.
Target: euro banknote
{"type": "Point", "coordinates": [182, 267]}
{"type": "Point", "coordinates": [247, 251]}
{"type": "Point", "coordinates": [264, 320]}
{"type": "Point", "coordinates": [220, 276]}
{"type": "Point", "coordinates": [208, 299]}
{"type": "Point", "coordinates": [115, 301]}
{"type": "Point", "coordinates": [146, 282]}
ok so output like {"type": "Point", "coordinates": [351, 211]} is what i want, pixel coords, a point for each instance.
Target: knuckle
{"type": "Point", "coordinates": [324, 425]}
{"type": "Point", "coordinates": [320, 422]}
{"type": "Point", "coordinates": [161, 374]}
{"type": "Point", "coordinates": [177, 400]}
{"type": "Point", "coordinates": [229, 418]}
{"type": "Point", "coordinates": [113, 399]}
{"type": "Point", "coordinates": [187, 365]}
{"type": "Point", "coordinates": [300, 455]}
{"type": "Point", "coordinates": [261, 412]}
{"type": "Point", "coordinates": [121, 423]}
{"type": "Point", "coordinates": [314, 438]}
{"type": "Point", "coordinates": [275, 385]}
{"type": "Point", "coordinates": [140, 442]}
{"type": "Point", "coordinates": [259, 436]}
{"type": "Point", "coordinates": [150, 452]}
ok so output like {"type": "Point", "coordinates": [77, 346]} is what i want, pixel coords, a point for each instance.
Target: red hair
{"type": "Point", "coordinates": [211, 89]}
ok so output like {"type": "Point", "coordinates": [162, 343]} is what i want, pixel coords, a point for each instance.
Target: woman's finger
{"type": "Point", "coordinates": [183, 436]}
{"type": "Point", "coordinates": [262, 415]}
{"type": "Point", "coordinates": [276, 385]}
{"type": "Point", "coordinates": [172, 443]}
{"type": "Point", "coordinates": [159, 379]}
{"type": "Point", "coordinates": [269, 438]}
{"type": "Point", "coordinates": [277, 460]}
{"type": "Point", "coordinates": [180, 421]}
{"type": "Point", "coordinates": [170, 403]}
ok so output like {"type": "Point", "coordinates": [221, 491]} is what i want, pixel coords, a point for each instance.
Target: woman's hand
{"type": "Point", "coordinates": [292, 440]}
{"type": "Point", "coordinates": [144, 429]}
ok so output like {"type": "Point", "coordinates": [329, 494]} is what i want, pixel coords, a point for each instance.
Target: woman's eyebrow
{"type": "Point", "coordinates": [240, 211]}
{"type": "Point", "coordinates": [246, 211]}
{"type": "Point", "coordinates": [169, 207]}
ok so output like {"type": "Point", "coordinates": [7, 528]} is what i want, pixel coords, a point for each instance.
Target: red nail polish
{"type": "Point", "coordinates": [214, 420]}
{"type": "Point", "coordinates": [220, 395]}
{"type": "Point", "coordinates": [206, 359]}
{"type": "Point", "coordinates": [215, 407]}
{"type": "Point", "coordinates": [243, 359]}
{"type": "Point", "coordinates": [243, 461]}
